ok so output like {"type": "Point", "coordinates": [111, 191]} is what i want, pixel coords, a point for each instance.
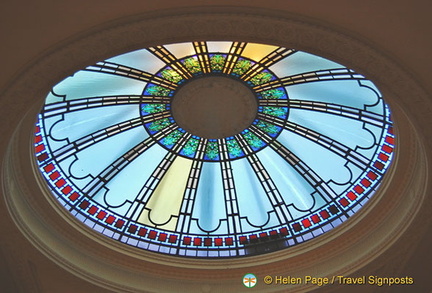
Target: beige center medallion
{"type": "Point", "coordinates": [214, 107]}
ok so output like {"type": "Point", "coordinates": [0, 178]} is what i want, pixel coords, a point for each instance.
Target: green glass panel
{"type": "Point", "coordinates": [217, 62]}
{"type": "Point", "coordinates": [242, 66]}
{"type": "Point", "coordinates": [171, 75]}
{"type": "Point", "coordinates": [192, 65]}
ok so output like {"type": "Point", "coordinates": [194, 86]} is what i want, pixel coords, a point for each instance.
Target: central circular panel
{"type": "Point", "coordinates": [214, 107]}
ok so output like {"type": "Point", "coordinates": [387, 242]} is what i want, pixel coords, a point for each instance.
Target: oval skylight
{"type": "Point", "coordinates": [214, 149]}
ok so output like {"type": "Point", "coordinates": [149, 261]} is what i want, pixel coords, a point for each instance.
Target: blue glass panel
{"type": "Point", "coordinates": [253, 201]}
{"type": "Point", "coordinates": [330, 126]}
{"type": "Point", "coordinates": [128, 183]}
{"type": "Point", "coordinates": [327, 164]}
{"type": "Point", "coordinates": [209, 206]}
{"type": "Point", "coordinates": [292, 186]}
{"type": "Point", "coordinates": [89, 160]}
{"type": "Point", "coordinates": [340, 92]}
{"type": "Point", "coordinates": [80, 123]}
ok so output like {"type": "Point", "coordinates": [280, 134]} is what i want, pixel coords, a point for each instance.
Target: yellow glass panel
{"type": "Point", "coordinates": [166, 200]}
{"type": "Point", "coordinates": [257, 51]}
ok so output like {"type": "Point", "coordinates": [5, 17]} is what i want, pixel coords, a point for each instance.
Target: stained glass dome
{"type": "Point", "coordinates": [214, 149]}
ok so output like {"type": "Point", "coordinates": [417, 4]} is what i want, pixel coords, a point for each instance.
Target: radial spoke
{"type": "Point", "coordinates": [185, 216]}
{"type": "Point", "coordinates": [203, 57]}
{"type": "Point", "coordinates": [267, 61]}
{"type": "Point", "coordinates": [234, 54]}
{"type": "Point", "coordinates": [166, 56]}
{"type": "Point", "coordinates": [231, 203]}
{"type": "Point", "coordinates": [129, 72]}
{"type": "Point", "coordinates": [322, 75]}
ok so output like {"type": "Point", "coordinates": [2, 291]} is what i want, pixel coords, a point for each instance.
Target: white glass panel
{"type": "Point", "coordinates": [301, 62]}
{"type": "Point", "coordinates": [181, 50]}
{"type": "Point", "coordinates": [84, 84]}
{"type": "Point", "coordinates": [220, 47]}
{"type": "Point", "coordinates": [140, 59]}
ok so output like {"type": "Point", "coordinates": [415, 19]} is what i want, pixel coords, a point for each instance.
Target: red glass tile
{"type": "Point", "coordinates": [306, 223]}
{"type": "Point", "coordinates": [39, 148]}
{"type": "Point", "coordinates": [343, 201]}
{"type": "Point", "coordinates": [84, 204]}
{"type": "Point", "coordinates": [197, 241]}
{"type": "Point", "coordinates": [358, 189]}
{"type": "Point", "coordinates": [389, 140]}
{"type": "Point", "coordinates": [119, 223]}
{"type": "Point", "coordinates": [378, 165]}
{"type": "Point", "coordinates": [333, 209]}
{"type": "Point", "coordinates": [208, 242]}
{"type": "Point", "coordinates": [229, 241]}
{"type": "Point", "coordinates": [365, 182]}
{"type": "Point", "coordinates": [142, 232]}
{"type": "Point", "coordinates": [297, 227]}
{"type": "Point", "coordinates": [273, 233]}
{"type": "Point", "coordinates": [60, 182]}
{"type": "Point", "coordinates": [54, 175]}
{"type": "Point", "coordinates": [387, 149]}
{"type": "Point", "coordinates": [162, 237]}
{"type": "Point", "coordinates": [110, 219]}
{"type": "Point", "coordinates": [253, 238]}
{"type": "Point", "coordinates": [48, 168]}
{"type": "Point", "coordinates": [74, 196]}
{"type": "Point", "coordinates": [351, 195]}
{"type": "Point", "coordinates": [390, 130]}
{"type": "Point", "coordinates": [38, 139]}
{"type": "Point", "coordinates": [42, 157]}
{"type": "Point", "coordinates": [218, 241]}
{"type": "Point", "coordinates": [172, 239]}
{"type": "Point", "coordinates": [92, 210]}
{"type": "Point", "coordinates": [152, 234]}
{"type": "Point", "coordinates": [263, 235]}
{"type": "Point", "coordinates": [101, 215]}
{"type": "Point", "coordinates": [383, 157]}
{"type": "Point", "coordinates": [324, 214]}
{"type": "Point", "coordinates": [132, 229]}
{"type": "Point", "coordinates": [243, 240]}
{"type": "Point", "coordinates": [315, 219]}
{"type": "Point", "coordinates": [283, 231]}
{"type": "Point", "coordinates": [372, 176]}
{"type": "Point", "coordinates": [37, 129]}
{"type": "Point", "coordinates": [187, 240]}
{"type": "Point", "coordinates": [66, 190]}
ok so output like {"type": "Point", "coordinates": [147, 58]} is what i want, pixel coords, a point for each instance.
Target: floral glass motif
{"type": "Point", "coordinates": [113, 155]}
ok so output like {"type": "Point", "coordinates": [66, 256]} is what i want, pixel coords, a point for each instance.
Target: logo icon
{"type": "Point", "coordinates": [249, 280]}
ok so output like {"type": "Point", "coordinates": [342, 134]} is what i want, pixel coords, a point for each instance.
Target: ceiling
{"type": "Point", "coordinates": [29, 30]}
